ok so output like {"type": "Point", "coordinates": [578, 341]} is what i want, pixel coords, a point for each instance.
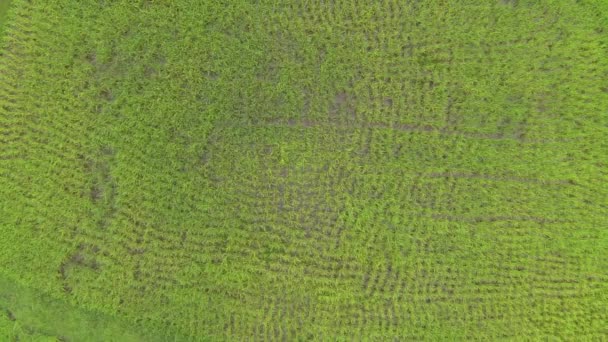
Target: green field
{"type": "Point", "coordinates": [328, 170]}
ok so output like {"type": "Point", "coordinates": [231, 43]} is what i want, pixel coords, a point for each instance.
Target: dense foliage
{"type": "Point", "coordinates": [304, 170]}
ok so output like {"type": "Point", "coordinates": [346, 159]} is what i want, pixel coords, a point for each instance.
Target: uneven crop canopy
{"type": "Point", "coordinates": [303, 170]}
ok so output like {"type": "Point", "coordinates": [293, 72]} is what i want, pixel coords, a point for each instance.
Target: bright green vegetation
{"type": "Point", "coordinates": [304, 170]}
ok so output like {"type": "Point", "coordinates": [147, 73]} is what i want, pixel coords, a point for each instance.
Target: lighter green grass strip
{"type": "Point", "coordinates": [28, 315]}
{"type": "Point", "coordinates": [3, 10]}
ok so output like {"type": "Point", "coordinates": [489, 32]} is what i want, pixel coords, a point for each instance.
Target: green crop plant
{"type": "Point", "coordinates": [303, 170]}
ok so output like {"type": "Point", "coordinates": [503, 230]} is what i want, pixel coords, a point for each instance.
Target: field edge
{"type": "Point", "coordinates": [26, 312]}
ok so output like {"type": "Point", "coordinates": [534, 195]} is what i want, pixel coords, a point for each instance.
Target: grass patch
{"type": "Point", "coordinates": [32, 316]}
{"type": "Point", "coordinates": [4, 5]}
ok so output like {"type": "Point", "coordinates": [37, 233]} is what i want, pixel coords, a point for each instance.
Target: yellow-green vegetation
{"type": "Point", "coordinates": [303, 170]}
{"type": "Point", "coordinates": [3, 8]}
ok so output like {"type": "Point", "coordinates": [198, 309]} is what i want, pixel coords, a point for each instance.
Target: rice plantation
{"type": "Point", "coordinates": [303, 170]}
